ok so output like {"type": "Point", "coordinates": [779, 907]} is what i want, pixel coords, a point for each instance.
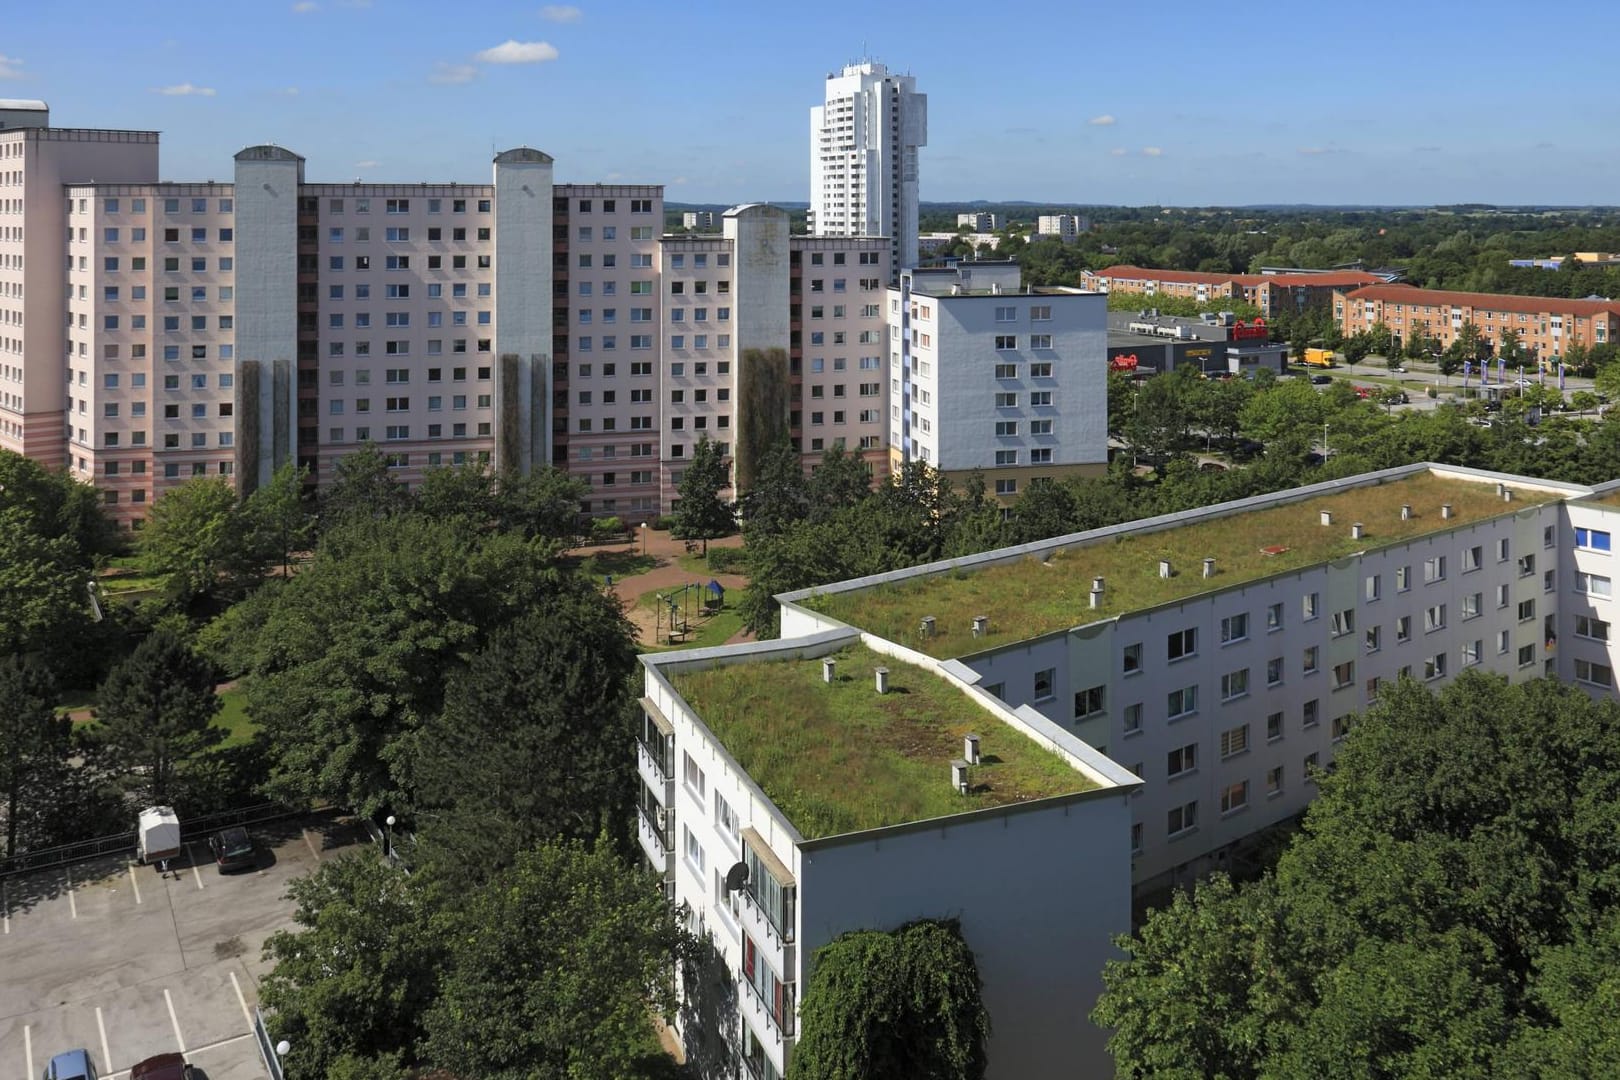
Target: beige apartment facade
{"type": "Point", "coordinates": [1546, 326]}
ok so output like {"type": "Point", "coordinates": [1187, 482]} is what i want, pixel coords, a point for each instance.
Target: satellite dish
{"type": "Point", "coordinates": [736, 877]}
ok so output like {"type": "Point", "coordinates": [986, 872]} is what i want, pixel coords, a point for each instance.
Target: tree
{"type": "Point", "coordinates": [156, 711]}
{"type": "Point", "coordinates": [42, 584]}
{"type": "Point", "coordinates": [530, 744]}
{"type": "Point", "coordinates": [552, 968]}
{"type": "Point", "coordinates": [275, 520]}
{"type": "Point", "coordinates": [352, 654]}
{"type": "Point", "coordinates": [34, 747]}
{"type": "Point", "coordinates": [839, 481]}
{"type": "Point", "coordinates": [351, 984]}
{"type": "Point", "coordinates": [1434, 917]}
{"type": "Point", "coordinates": [541, 503]}
{"type": "Point", "coordinates": [191, 534]}
{"type": "Point", "coordinates": [885, 1004]}
{"type": "Point", "coordinates": [700, 513]}
{"type": "Point", "coordinates": [363, 485]}
{"type": "Point", "coordinates": [54, 506]}
{"type": "Point", "coordinates": [780, 496]}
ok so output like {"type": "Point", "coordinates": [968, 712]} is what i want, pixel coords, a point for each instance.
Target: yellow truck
{"type": "Point", "coordinates": [1318, 357]}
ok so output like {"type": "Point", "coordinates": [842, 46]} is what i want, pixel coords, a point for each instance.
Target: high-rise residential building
{"type": "Point", "coordinates": [979, 222]}
{"type": "Point", "coordinates": [1064, 227]}
{"type": "Point", "coordinates": [987, 376]}
{"type": "Point", "coordinates": [863, 158]}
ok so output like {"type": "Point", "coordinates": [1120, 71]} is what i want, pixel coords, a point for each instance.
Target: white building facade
{"type": "Point", "coordinates": [864, 141]}
{"type": "Point", "coordinates": [986, 376]}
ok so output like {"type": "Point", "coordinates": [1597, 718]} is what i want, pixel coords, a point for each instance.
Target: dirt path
{"type": "Point", "coordinates": [667, 574]}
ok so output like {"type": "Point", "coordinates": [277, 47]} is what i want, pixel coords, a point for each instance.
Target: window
{"type": "Point", "coordinates": [1502, 596]}
{"type": "Point", "coordinates": [1434, 666]}
{"type": "Point", "coordinates": [1311, 713]}
{"type": "Point", "coordinates": [694, 851]}
{"type": "Point", "coordinates": [1045, 680]}
{"type": "Point", "coordinates": [1235, 628]}
{"type": "Point", "coordinates": [1006, 371]}
{"type": "Point", "coordinates": [1132, 720]}
{"type": "Point", "coordinates": [1527, 610]}
{"type": "Point", "coordinates": [1131, 658]}
{"type": "Point", "coordinates": [1182, 760]}
{"type": "Point", "coordinates": [1308, 664]}
{"type": "Point", "coordinates": [1472, 652]}
{"type": "Point", "coordinates": [693, 776]}
{"type": "Point", "coordinates": [1274, 671]}
{"type": "Point", "coordinates": [1471, 606]}
{"type": "Point", "coordinates": [1006, 342]}
{"type": "Point", "coordinates": [1235, 797]}
{"type": "Point", "coordinates": [1183, 702]}
{"type": "Point", "coordinates": [1344, 622]}
{"type": "Point", "coordinates": [1341, 727]}
{"type": "Point", "coordinates": [1593, 674]}
{"type": "Point", "coordinates": [1373, 587]}
{"type": "Point", "coordinates": [1434, 618]}
{"type": "Point", "coordinates": [1374, 638]}
{"type": "Point", "coordinates": [1274, 727]}
{"type": "Point", "coordinates": [1527, 565]}
{"type": "Point", "coordinates": [1235, 684]}
{"type": "Point", "coordinates": [1006, 428]}
{"type": "Point", "coordinates": [1311, 605]}
{"type": "Point", "coordinates": [1471, 558]}
{"type": "Point", "coordinates": [1527, 655]}
{"type": "Point", "coordinates": [1344, 674]}
{"type": "Point", "coordinates": [1040, 341]}
{"type": "Point", "coordinates": [1274, 617]}
{"type": "Point", "coordinates": [1403, 578]}
{"type": "Point", "coordinates": [1593, 584]}
{"type": "Point", "coordinates": [1234, 741]}
{"type": "Point", "coordinates": [1182, 819]}
{"type": "Point", "coordinates": [1182, 643]}
{"type": "Point", "coordinates": [1403, 628]}
{"type": "Point", "coordinates": [1007, 401]}
{"type": "Point", "coordinates": [1434, 569]}
{"type": "Point", "coordinates": [1089, 702]}
{"type": "Point", "coordinates": [1136, 838]}
{"type": "Point", "coordinates": [1592, 540]}
{"type": "Point", "coordinates": [1588, 627]}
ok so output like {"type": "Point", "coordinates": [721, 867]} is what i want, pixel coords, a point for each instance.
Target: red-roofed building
{"type": "Point", "coordinates": [1546, 325]}
{"type": "Point", "coordinates": [1271, 293]}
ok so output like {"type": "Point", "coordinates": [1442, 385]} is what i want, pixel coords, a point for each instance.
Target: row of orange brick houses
{"type": "Point", "coordinates": [1547, 326]}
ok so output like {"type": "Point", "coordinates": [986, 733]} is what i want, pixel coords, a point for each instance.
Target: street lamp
{"type": "Point", "coordinates": [282, 1048]}
{"type": "Point", "coordinates": [388, 837]}
{"type": "Point", "coordinates": [644, 538]}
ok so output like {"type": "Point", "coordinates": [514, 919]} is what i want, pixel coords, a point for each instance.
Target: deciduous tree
{"type": "Point", "coordinates": [34, 747]}
{"type": "Point", "coordinates": [701, 514]}
{"type": "Point", "coordinates": [156, 711]}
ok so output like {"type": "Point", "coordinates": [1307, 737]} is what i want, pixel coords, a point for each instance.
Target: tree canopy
{"type": "Point", "coordinates": [1449, 908]}
{"type": "Point", "coordinates": [157, 709]}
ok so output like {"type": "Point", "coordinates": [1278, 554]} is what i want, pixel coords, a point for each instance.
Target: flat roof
{"type": "Point", "coordinates": [1034, 594]}
{"type": "Point", "coordinates": [843, 758]}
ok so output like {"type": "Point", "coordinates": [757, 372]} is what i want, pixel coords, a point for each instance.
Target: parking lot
{"type": "Point", "coordinates": [128, 962]}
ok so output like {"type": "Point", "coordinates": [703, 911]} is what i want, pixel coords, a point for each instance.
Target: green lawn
{"type": "Point", "coordinates": [840, 758]}
{"type": "Point", "coordinates": [233, 717]}
{"type": "Point", "coordinates": [1028, 597]}
{"type": "Point", "coordinates": [708, 630]}
{"type": "Point", "coordinates": [621, 564]}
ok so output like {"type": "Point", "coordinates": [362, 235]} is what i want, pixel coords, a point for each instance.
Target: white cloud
{"type": "Point", "coordinates": [290, 91]}
{"type": "Point", "coordinates": [615, 176]}
{"type": "Point", "coordinates": [518, 52]}
{"type": "Point", "coordinates": [1118, 151]}
{"type": "Point", "coordinates": [678, 180]}
{"type": "Point", "coordinates": [452, 74]}
{"type": "Point", "coordinates": [1152, 151]}
{"type": "Point", "coordinates": [367, 164]}
{"type": "Point", "coordinates": [9, 66]}
{"type": "Point", "coordinates": [561, 13]}
{"type": "Point", "coordinates": [1105, 120]}
{"type": "Point", "coordinates": [184, 89]}
{"type": "Point", "coordinates": [305, 6]}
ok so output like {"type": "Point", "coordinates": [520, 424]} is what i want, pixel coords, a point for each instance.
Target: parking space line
{"type": "Point", "coordinates": [5, 906]}
{"type": "Point", "coordinates": [28, 1048]}
{"type": "Point", "coordinates": [194, 871]}
{"type": "Point", "coordinates": [134, 881]}
{"type": "Point", "coordinates": [174, 1020]}
{"type": "Point", "coordinates": [101, 1026]}
{"type": "Point", "coordinates": [311, 844]}
{"type": "Point", "coordinates": [240, 1000]}
{"type": "Point", "coordinates": [73, 905]}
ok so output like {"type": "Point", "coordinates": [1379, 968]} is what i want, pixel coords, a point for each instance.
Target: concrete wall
{"type": "Point", "coordinates": [267, 182]}
{"type": "Point", "coordinates": [523, 274]}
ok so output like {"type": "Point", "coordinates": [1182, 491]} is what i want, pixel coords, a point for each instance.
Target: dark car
{"type": "Point", "coordinates": [233, 849]}
{"type": "Point", "coordinates": [162, 1067]}
{"type": "Point", "coordinates": [1321, 380]}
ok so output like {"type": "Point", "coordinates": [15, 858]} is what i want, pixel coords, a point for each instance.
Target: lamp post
{"type": "Point", "coordinates": [282, 1048]}
{"type": "Point", "coordinates": [644, 538]}
{"type": "Point", "coordinates": [388, 836]}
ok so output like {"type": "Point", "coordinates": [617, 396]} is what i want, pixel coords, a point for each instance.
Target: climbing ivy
{"type": "Point", "coordinates": [893, 1004]}
{"type": "Point", "coordinates": [765, 396]}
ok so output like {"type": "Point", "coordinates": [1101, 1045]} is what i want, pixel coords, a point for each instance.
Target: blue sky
{"type": "Point", "coordinates": [1079, 102]}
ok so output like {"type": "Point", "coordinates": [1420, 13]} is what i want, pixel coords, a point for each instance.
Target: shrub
{"type": "Point", "coordinates": [728, 560]}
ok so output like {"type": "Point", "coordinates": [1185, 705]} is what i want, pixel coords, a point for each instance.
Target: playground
{"type": "Point", "coordinates": [672, 599]}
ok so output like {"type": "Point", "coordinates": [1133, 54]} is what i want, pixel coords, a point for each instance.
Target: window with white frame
{"type": "Point", "coordinates": [1183, 702]}
{"type": "Point", "coordinates": [1593, 540]}
{"type": "Point", "coordinates": [1235, 684]}
{"type": "Point", "coordinates": [1182, 819]}
{"type": "Point", "coordinates": [1234, 741]}
{"type": "Point", "coordinates": [1593, 673]}
{"type": "Point", "coordinates": [1235, 797]}
{"type": "Point", "coordinates": [1235, 628]}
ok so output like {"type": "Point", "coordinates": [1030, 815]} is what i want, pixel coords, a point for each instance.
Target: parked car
{"type": "Point", "coordinates": [233, 849]}
{"type": "Point", "coordinates": [73, 1065]}
{"type": "Point", "coordinates": [162, 1067]}
{"type": "Point", "coordinates": [1321, 380]}
{"type": "Point", "coordinates": [1398, 370]}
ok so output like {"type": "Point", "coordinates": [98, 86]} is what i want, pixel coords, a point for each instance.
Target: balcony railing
{"type": "Point", "coordinates": [652, 770]}
{"type": "Point", "coordinates": [653, 840]}
{"type": "Point", "coordinates": [777, 1029]}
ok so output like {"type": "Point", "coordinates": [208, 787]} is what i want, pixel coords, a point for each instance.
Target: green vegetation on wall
{"type": "Point", "coordinates": [764, 398]}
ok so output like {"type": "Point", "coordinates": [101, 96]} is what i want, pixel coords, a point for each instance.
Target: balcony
{"type": "Point", "coordinates": [759, 925]}
{"type": "Point", "coordinates": [650, 831]}
{"type": "Point", "coordinates": [652, 773]}
{"type": "Point", "coordinates": [761, 1016]}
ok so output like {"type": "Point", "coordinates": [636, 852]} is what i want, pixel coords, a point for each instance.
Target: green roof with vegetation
{"type": "Point", "coordinates": [841, 758]}
{"type": "Point", "coordinates": [1029, 597]}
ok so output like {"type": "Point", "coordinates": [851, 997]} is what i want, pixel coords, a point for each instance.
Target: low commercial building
{"type": "Point", "coordinates": [1218, 343]}
{"type": "Point", "coordinates": [1547, 326]}
{"type": "Point", "coordinates": [1219, 656]}
{"type": "Point", "coordinates": [988, 376]}
{"type": "Point", "coordinates": [1580, 259]}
